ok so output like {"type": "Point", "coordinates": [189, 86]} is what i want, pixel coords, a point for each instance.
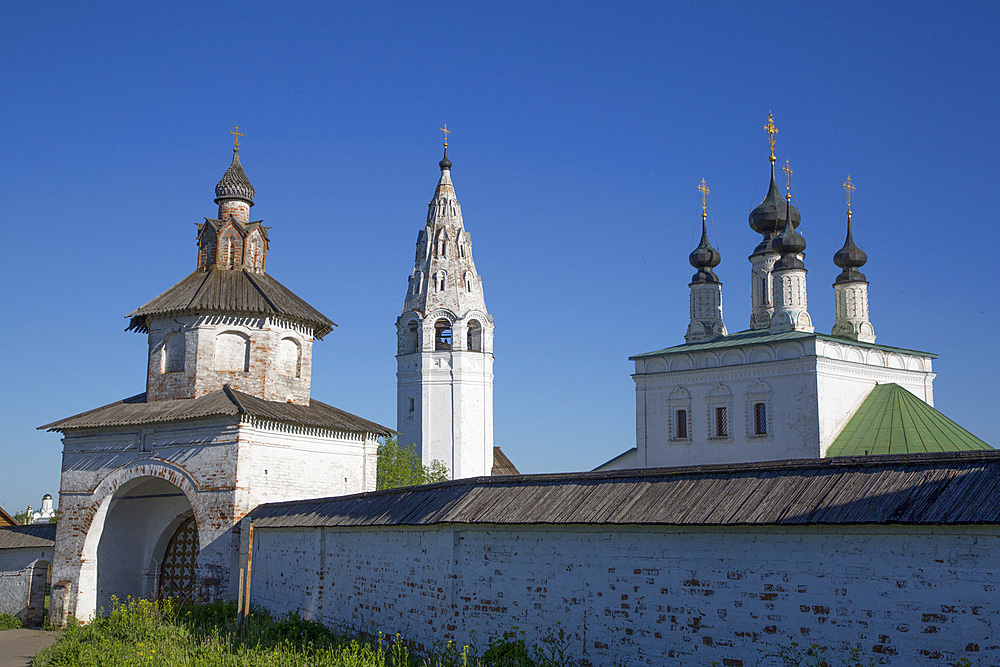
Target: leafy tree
{"type": "Point", "coordinates": [23, 517]}
{"type": "Point", "coordinates": [401, 466]}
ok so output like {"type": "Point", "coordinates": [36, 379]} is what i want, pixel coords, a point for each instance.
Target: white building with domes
{"type": "Point", "coordinates": [445, 345]}
{"type": "Point", "coordinates": [779, 389]}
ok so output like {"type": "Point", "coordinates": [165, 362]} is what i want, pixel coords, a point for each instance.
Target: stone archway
{"type": "Point", "coordinates": [142, 518]}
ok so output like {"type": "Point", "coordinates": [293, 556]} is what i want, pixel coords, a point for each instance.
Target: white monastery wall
{"type": "Point", "coordinates": [282, 462]}
{"type": "Point", "coordinates": [22, 583]}
{"type": "Point", "coordinates": [630, 595]}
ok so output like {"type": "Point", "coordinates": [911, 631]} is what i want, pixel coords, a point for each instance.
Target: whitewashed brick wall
{"type": "Point", "coordinates": [629, 595]}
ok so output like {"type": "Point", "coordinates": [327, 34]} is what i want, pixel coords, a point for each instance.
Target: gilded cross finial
{"type": "Point", "coordinates": [849, 189]}
{"type": "Point", "coordinates": [703, 189]}
{"type": "Point", "coordinates": [237, 135]}
{"type": "Point", "coordinates": [446, 133]}
{"type": "Point", "coordinates": [771, 131]}
{"type": "Point", "coordinates": [787, 168]}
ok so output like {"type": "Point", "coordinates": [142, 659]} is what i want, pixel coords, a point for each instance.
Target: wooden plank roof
{"type": "Point", "coordinates": [223, 402]}
{"type": "Point", "coordinates": [933, 489]}
{"type": "Point", "coordinates": [501, 464]}
{"type": "Point", "coordinates": [230, 291]}
{"type": "Point", "coordinates": [36, 535]}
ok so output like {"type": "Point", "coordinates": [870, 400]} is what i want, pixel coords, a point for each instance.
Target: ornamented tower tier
{"type": "Point", "coordinates": [229, 322]}
{"type": "Point", "coordinates": [850, 290]}
{"type": "Point", "coordinates": [706, 288]}
{"type": "Point", "coordinates": [768, 219]}
{"type": "Point", "coordinates": [789, 274]}
{"type": "Point", "coordinates": [445, 352]}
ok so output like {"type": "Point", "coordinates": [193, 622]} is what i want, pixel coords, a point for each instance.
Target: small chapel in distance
{"type": "Point", "coordinates": [153, 485]}
{"type": "Point", "coordinates": [780, 389]}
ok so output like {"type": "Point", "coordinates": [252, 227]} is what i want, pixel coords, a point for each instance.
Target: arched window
{"type": "Point", "coordinates": [409, 341]}
{"type": "Point", "coordinates": [232, 351]}
{"type": "Point", "coordinates": [474, 337]}
{"type": "Point", "coordinates": [760, 419]}
{"type": "Point", "coordinates": [440, 281]}
{"type": "Point", "coordinates": [173, 352]}
{"type": "Point", "coordinates": [468, 281]}
{"type": "Point", "coordinates": [681, 424]}
{"type": "Point", "coordinates": [290, 358]}
{"type": "Point", "coordinates": [442, 335]}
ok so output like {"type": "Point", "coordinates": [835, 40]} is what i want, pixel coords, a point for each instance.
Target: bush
{"type": "Point", "coordinates": [141, 632]}
{"type": "Point", "coordinates": [8, 622]}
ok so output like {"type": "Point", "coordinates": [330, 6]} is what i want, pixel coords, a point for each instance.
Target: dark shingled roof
{"type": "Point", "coordinates": [501, 464]}
{"type": "Point", "coordinates": [36, 535]}
{"type": "Point", "coordinates": [230, 291]}
{"type": "Point", "coordinates": [221, 403]}
{"type": "Point", "coordinates": [930, 489]}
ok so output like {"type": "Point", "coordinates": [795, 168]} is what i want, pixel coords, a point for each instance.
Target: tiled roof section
{"type": "Point", "coordinates": [222, 403]}
{"type": "Point", "coordinates": [891, 420]}
{"type": "Point", "coordinates": [6, 519]}
{"type": "Point", "coordinates": [37, 535]}
{"type": "Point", "coordinates": [932, 489]}
{"type": "Point", "coordinates": [502, 464]}
{"type": "Point", "coordinates": [762, 336]}
{"type": "Point", "coordinates": [219, 290]}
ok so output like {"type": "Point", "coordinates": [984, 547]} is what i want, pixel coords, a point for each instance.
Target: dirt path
{"type": "Point", "coordinates": [18, 647]}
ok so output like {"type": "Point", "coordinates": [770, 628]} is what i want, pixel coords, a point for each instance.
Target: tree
{"type": "Point", "coordinates": [24, 517]}
{"type": "Point", "coordinates": [401, 466]}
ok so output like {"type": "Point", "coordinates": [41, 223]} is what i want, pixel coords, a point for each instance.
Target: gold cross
{"type": "Point", "coordinates": [446, 133]}
{"type": "Point", "coordinates": [787, 168]}
{"type": "Point", "coordinates": [703, 189]}
{"type": "Point", "coordinates": [849, 189]}
{"type": "Point", "coordinates": [771, 131]}
{"type": "Point", "coordinates": [236, 135]}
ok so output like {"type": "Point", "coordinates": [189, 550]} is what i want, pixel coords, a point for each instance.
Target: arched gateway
{"type": "Point", "coordinates": [153, 485]}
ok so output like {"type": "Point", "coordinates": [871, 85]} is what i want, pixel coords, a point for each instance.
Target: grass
{"type": "Point", "coordinates": [141, 632]}
{"type": "Point", "coordinates": [8, 622]}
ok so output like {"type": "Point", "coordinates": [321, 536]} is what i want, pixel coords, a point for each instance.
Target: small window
{"type": "Point", "coordinates": [681, 424]}
{"type": "Point", "coordinates": [414, 338]}
{"type": "Point", "coordinates": [765, 294]}
{"type": "Point", "coordinates": [474, 339]}
{"type": "Point", "coordinates": [173, 352]}
{"type": "Point", "coordinates": [442, 335]}
{"type": "Point", "coordinates": [411, 406]}
{"type": "Point", "coordinates": [759, 419]}
{"type": "Point", "coordinates": [721, 422]}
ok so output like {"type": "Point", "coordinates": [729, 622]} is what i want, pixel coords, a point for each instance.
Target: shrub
{"type": "Point", "coordinates": [8, 622]}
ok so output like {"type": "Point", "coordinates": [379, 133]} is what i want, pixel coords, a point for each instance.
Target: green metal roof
{"type": "Point", "coordinates": [761, 336]}
{"type": "Point", "coordinates": [891, 420]}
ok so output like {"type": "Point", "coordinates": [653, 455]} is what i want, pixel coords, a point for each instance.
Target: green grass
{"type": "Point", "coordinates": [8, 622]}
{"type": "Point", "coordinates": [140, 632]}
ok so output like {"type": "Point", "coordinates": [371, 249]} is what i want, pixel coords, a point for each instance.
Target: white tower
{"type": "Point", "coordinates": [706, 288]}
{"type": "Point", "coordinates": [789, 275]}
{"type": "Point", "coordinates": [850, 290]}
{"type": "Point", "coordinates": [445, 354]}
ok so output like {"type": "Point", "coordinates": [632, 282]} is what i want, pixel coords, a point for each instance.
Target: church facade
{"type": "Point", "coordinates": [445, 345]}
{"type": "Point", "coordinates": [779, 389]}
{"type": "Point", "coordinates": [152, 486]}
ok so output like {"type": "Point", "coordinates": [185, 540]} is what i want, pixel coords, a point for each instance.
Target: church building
{"type": "Point", "coordinates": [444, 359]}
{"type": "Point", "coordinates": [153, 485]}
{"type": "Point", "coordinates": [780, 389]}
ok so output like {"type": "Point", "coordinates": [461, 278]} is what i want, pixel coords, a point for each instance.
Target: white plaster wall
{"type": "Point", "coordinates": [17, 569]}
{"type": "Point", "coordinates": [632, 595]}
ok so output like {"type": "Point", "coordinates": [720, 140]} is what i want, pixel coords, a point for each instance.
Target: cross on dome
{"type": "Point", "coordinates": [787, 168]}
{"type": "Point", "coordinates": [237, 135]}
{"type": "Point", "coordinates": [703, 189]}
{"type": "Point", "coordinates": [771, 131]}
{"type": "Point", "coordinates": [446, 133]}
{"type": "Point", "coordinates": [849, 189]}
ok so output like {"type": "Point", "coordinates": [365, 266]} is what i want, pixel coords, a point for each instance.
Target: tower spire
{"type": "Point", "coordinates": [706, 288]}
{"type": "Point", "coordinates": [850, 289]}
{"type": "Point", "coordinates": [789, 273]}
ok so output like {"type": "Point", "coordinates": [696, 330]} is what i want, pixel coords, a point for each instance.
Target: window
{"type": "Point", "coordinates": [411, 406]}
{"type": "Point", "coordinates": [681, 424]}
{"type": "Point", "coordinates": [173, 352]}
{"type": "Point", "coordinates": [721, 422]}
{"type": "Point", "coordinates": [414, 338]}
{"type": "Point", "coordinates": [765, 294]}
{"type": "Point", "coordinates": [759, 419]}
{"type": "Point", "coordinates": [232, 351]}
{"type": "Point", "coordinates": [289, 358]}
{"type": "Point", "coordinates": [474, 338]}
{"type": "Point", "coordinates": [442, 335]}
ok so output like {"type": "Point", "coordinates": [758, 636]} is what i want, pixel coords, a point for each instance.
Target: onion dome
{"type": "Point", "coordinates": [850, 258]}
{"type": "Point", "coordinates": [789, 243]}
{"type": "Point", "coordinates": [704, 258]}
{"type": "Point", "coordinates": [769, 216]}
{"type": "Point", "coordinates": [234, 183]}
{"type": "Point", "coordinates": [445, 163]}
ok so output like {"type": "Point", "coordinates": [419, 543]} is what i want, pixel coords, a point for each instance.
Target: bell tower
{"type": "Point", "coordinates": [445, 345]}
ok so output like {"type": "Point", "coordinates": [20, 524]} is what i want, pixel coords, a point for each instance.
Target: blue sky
{"type": "Point", "coordinates": [580, 134]}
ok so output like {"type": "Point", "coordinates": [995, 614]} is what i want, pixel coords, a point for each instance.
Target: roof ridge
{"type": "Point", "coordinates": [231, 394]}
{"type": "Point", "coordinates": [260, 290]}
{"type": "Point", "coordinates": [201, 286]}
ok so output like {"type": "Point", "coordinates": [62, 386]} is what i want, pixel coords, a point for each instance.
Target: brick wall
{"type": "Point", "coordinates": [736, 596]}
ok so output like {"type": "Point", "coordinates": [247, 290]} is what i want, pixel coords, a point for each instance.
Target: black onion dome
{"type": "Point", "coordinates": [445, 163]}
{"type": "Point", "coordinates": [234, 183]}
{"type": "Point", "coordinates": [769, 216]}
{"type": "Point", "coordinates": [790, 244]}
{"type": "Point", "coordinates": [704, 258]}
{"type": "Point", "coordinates": [850, 258]}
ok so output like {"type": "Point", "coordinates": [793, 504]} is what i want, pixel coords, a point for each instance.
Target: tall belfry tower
{"type": "Point", "coordinates": [445, 354]}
